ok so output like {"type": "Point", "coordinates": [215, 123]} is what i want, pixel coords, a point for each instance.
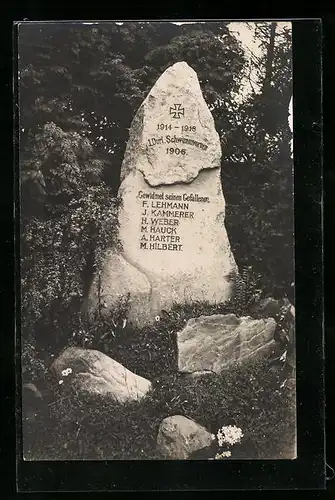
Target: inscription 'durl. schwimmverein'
{"type": "Point", "coordinates": [176, 112]}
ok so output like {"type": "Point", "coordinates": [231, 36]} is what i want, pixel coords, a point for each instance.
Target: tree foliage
{"type": "Point", "coordinates": [80, 86]}
{"type": "Point", "coordinates": [61, 244]}
{"type": "Point", "coordinates": [258, 170]}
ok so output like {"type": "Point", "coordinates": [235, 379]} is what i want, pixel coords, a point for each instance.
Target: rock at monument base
{"type": "Point", "coordinates": [179, 437]}
{"type": "Point", "coordinates": [198, 266]}
{"type": "Point", "coordinates": [120, 285]}
{"type": "Point", "coordinates": [96, 374]}
{"type": "Point", "coordinates": [172, 217]}
{"type": "Point", "coordinates": [216, 342]}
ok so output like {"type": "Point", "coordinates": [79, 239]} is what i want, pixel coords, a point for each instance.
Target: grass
{"type": "Point", "coordinates": [251, 396]}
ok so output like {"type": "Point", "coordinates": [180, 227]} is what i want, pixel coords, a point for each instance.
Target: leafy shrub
{"type": "Point", "coordinates": [61, 248]}
{"type": "Point", "coordinates": [33, 366]}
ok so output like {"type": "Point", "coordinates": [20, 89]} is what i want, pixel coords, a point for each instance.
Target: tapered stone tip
{"type": "Point", "coordinates": [173, 135]}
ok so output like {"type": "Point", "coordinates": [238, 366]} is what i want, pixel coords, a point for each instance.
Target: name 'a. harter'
{"type": "Point", "coordinates": [175, 247]}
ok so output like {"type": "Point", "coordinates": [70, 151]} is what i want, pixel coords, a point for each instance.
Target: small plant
{"type": "Point", "coordinates": [104, 330]}
{"type": "Point", "coordinates": [285, 322]}
{"type": "Point", "coordinates": [33, 367]}
{"type": "Point", "coordinates": [227, 437]}
{"type": "Point", "coordinates": [246, 290]}
{"type": "Point", "coordinates": [285, 335]}
{"type": "Point", "coordinates": [65, 373]}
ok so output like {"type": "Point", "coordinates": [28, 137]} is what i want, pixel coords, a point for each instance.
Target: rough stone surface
{"type": "Point", "coordinates": [117, 281]}
{"type": "Point", "coordinates": [176, 99]}
{"type": "Point", "coordinates": [96, 374]}
{"type": "Point", "coordinates": [216, 342]}
{"type": "Point", "coordinates": [179, 437]}
{"type": "Point", "coordinates": [171, 223]}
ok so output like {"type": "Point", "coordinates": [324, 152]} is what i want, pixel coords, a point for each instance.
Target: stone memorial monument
{"type": "Point", "coordinates": [175, 247]}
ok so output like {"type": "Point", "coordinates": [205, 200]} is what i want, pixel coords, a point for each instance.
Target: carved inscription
{"type": "Point", "coordinates": [162, 218]}
{"type": "Point", "coordinates": [164, 214]}
{"type": "Point", "coordinates": [177, 139]}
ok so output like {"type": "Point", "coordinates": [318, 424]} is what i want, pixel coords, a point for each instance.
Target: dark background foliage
{"type": "Point", "coordinates": [7, 203]}
{"type": "Point", "coordinates": [80, 86]}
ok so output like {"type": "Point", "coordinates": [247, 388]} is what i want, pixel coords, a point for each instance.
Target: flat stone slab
{"type": "Point", "coordinates": [216, 342]}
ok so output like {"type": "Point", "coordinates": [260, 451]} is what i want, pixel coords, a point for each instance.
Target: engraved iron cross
{"type": "Point", "coordinates": [177, 111]}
